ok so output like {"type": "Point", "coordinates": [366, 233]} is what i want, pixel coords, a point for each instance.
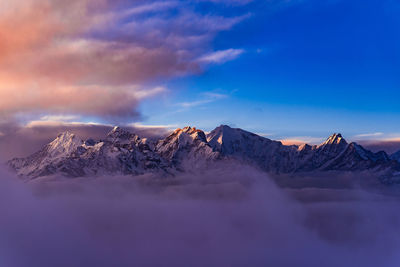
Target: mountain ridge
{"type": "Point", "coordinates": [189, 149]}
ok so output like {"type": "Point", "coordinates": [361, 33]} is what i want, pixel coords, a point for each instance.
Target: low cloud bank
{"type": "Point", "coordinates": [225, 216]}
{"type": "Point", "coordinates": [389, 147]}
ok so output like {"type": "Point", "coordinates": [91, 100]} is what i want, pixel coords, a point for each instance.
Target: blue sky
{"type": "Point", "coordinates": [309, 68]}
{"type": "Point", "coordinates": [286, 69]}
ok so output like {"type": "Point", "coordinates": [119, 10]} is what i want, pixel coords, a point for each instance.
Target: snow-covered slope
{"type": "Point", "coordinates": [236, 143]}
{"type": "Point", "coordinates": [335, 154]}
{"type": "Point", "coordinates": [187, 147]}
{"type": "Point", "coordinates": [122, 152]}
{"type": "Point", "coordinates": [46, 161]}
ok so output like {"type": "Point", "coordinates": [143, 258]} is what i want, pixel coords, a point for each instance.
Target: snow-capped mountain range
{"type": "Point", "coordinates": [187, 149]}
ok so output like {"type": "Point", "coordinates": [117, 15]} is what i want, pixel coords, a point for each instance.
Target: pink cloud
{"type": "Point", "coordinates": [302, 140]}
{"type": "Point", "coordinates": [88, 57]}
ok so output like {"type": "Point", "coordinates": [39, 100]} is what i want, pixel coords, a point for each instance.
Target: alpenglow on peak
{"type": "Point", "coordinates": [335, 139]}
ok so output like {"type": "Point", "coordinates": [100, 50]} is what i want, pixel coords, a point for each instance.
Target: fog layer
{"type": "Point", "coordinates": [225, 216]}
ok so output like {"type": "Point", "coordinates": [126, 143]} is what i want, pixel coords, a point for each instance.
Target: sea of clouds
{"type": "Point", "coordinates": [227, 215]}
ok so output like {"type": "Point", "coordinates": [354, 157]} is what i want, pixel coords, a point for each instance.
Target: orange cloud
{"type": "Point", "coordinates": [302, 140]}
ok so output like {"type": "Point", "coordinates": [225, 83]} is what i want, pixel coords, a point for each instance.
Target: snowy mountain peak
{"type": "Point", "coordinates": [187, 146]}
{"type": "Point", "coordinates": [224, 137]}
{"type": "Point", "coordinates": [223, 129]}
{"type": "Point", "coordinates": [192, 132]}
{"type": "Point", "coordinates": [65, 136]}
{"type": "Point", "coordinates": [238, 142]}
{"type": "Point", "coordinates": [335, 139]}
{"type": "Point", "coordinates": [189, 149]}
{"type": "Point", "coordinates": [217, 135]}
{"type": "Point", "coordinates": [117, 131]}
{"type": "Point", "coordinates": [119, 134]}
{"type": "Point", "coordinates": [304, 147]}
{"type": "Point", "coordinates": [64, 144]}
{"type": "Point", "coordinates": [187, 129]}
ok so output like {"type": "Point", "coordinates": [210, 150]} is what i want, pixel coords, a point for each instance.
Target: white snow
{"type": "Point", "coordinates": [189, 148]}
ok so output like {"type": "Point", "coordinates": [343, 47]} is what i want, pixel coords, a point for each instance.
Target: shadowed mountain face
{"type": "Point", "coordinates": [396, 156]}
{"type": "Point", "coordinates": [190, 149]}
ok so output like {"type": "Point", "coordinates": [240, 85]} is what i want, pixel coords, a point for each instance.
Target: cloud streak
{"type": "Point", "coordinates": [221, 56]}
{"type": "Point", "coordinates": [369, 135]}
{"type": "Point", "coordinates": [302, 140]}
{"type": "Point", "coordinates": [208, 97]}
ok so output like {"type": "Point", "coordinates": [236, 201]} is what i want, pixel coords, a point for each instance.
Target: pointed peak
{"type": "Point", "coordinates": [223, 127]}
{"type": "Point", "coordinates": [66, 134]}
{"type": "Point", "coordinates": [225, 130]}
{"type": "Point", "coordinates": [228, 132]}
{"type": "Point", "coordinates": [118, 133]}
{"type": "Point", "coordinates": [64, 137]}
{"type": "Point", "coordinates": [192, 131]}
{"type": "Point", "coordinates": [64, 144]}
{"type": "Point", "coordinates": [335, 135]}
{"type": "Point", "coordinates": [304, 147]}
{"type": "Point", "coordinates": [116, 129]}
{"type": "Point", "coordinates": [335, 139]}
{"type": "Point", "coordinates": [221, 130]}
{"type": "Point", "coordinates": [188, 130]}
{"type": "Point", "coordinates": [181, 130]}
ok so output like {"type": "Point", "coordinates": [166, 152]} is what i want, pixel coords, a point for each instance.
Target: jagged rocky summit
{"type": "Point", "coordinates": [190, 149]}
